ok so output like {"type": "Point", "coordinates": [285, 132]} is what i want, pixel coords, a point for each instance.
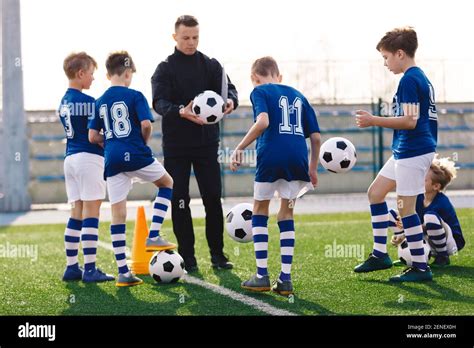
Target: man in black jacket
{"type": "Point", "coordinates": [186, 141]}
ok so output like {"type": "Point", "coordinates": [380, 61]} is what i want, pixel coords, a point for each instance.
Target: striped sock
{"type": "Point", "coordinates": [89, 238]}
{"type": "Point", "coordinates": [379, 214]}
{"type": "Point", "coordinates": [414, 234]}
{"type": "Point", "coordinates": [436, 232]}
{"type": "Point", "coordinates": [118, 243]}
{"type": "Point", "coordinates": [287, 246]}
{"type": "Point", "coordinates": [160, 206]}
{"type": "Point", "coordinates": [392, 223]}
{"type": "Point", "coordinates": [72, 237]}
{"type": "Point", "coordinates": [260, 243]}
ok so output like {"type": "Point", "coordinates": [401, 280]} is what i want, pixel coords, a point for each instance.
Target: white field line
{"type": "Point", "coordinates": [249, 301]}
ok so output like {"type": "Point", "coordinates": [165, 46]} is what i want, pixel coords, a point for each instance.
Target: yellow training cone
{"type": "Point", "coordinates": [140, 257]}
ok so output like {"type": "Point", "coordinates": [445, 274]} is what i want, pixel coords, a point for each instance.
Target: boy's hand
{"type": "Point", "coordinates": [364, 119]}
{"type": "Point", "coordinates": [229, 107]}
{"type": "Point", "coordinates": [236, 160]}
{"type": "Point", "coordinates": [397, 240]}
{"type": "Point", "coordinates": [188, 114]}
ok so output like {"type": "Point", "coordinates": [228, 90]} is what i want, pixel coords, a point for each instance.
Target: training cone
{"type": "Point", "coordinates": [140, 257]}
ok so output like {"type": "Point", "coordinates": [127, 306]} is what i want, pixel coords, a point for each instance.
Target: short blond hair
{"type": "Point", "coordinates": [443, 171]}
{"type": "Point", "coordinates": [77, 61]}
{"type": "Point", "coordinates": [265, 66]}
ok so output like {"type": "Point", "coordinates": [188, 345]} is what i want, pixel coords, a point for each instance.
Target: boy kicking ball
{"type": "Point", "coordinates": [415, 125]}
{"type": "Point", "coordinates": [125, 118]}
{"type": "Point", "coordinates": [283, 121]}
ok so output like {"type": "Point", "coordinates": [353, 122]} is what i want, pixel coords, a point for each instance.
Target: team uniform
{"type": "Point", "coordinates": [83, 173]}
{"type": "Point", "coordinates": [413, 152]}
{"type": "Point", "coordinates": [282, 154]}
{"type": "Point", "coordinates": [440, 222]}
{"type": "Point", "coordinates": [84, 162]}
{"type": "Point", "coordinates": [282, 167]}
{"type": "Point", "coordinates": [119, 113]}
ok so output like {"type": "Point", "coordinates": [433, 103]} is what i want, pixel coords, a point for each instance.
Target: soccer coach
{"type": "Point", "coordinates": [186, 141]}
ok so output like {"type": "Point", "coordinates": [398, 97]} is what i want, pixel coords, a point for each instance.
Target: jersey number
{"type": "Point", "coordinates": [432, 114]}
{"type": "Point", "coordinates": [65, 113]}
{"type": "Point", "coordinates": [285, 126]}
{"type": "Point", "coordinates": [120, 120]}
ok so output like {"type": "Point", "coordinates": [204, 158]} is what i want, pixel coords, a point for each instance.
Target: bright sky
{"type": "Point", "coordinates": [236, 33]}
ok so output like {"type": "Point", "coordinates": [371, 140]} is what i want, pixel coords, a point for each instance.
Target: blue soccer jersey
{"type": "Point", "coordinates": [281, 149]}
{"type": "Point", "coordinates": [74, 112]}
{"type": "Point", "coordinates": [415, 89]}
{"type": "Point", "coordinates": [442, 206]}
{"type": "Point", "coordinates": [119, 112]}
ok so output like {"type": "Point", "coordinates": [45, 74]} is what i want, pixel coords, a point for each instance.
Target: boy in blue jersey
{"type": "Point", "coordinates": [83, 168]}
{"type": "Point", "coordinates": [414, 122]}
{"type": "Point", "coordinates": [125, 118]}
{"type": "Point", "coordinates": [283, 121]}
{"type": "Point", "coordinates": [440, 222]}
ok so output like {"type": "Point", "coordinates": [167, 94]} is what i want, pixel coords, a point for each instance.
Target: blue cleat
{"type": "Point", "coordinates": [73, 273]}
{"type": "Point", "coordinates": [96, 276]}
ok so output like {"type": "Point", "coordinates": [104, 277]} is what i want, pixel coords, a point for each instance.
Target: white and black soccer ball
{"type": "Point", "coordinates": [338, 155]}
{"type": "Point", "coordinates": [239, 223]}
{"type": "Point", "coordinates": [166, 266]}
{"type": "Point", "coordinates": [209, 106]}
{"type": "Point", "coordinates": [404, 252]}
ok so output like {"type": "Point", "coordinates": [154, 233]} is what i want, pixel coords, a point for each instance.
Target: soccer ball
{"type": "Point", "coordinates": [404, 252]}
{"type": "Point", "coordinates": [338, 155]}
{"type": "Point", "coordinates": [209, 106]}
{"type": "Point", "coordinates": [239, 223]}
{"type": "Point", "coordinates": [166, 266]}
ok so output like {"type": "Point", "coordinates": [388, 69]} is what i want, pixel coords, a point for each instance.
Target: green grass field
{"type": "Point", "coordinates": [324, 285]}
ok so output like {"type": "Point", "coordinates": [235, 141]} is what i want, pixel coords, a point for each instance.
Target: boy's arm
{"type": "Point", "coordinates": [146, 130]}
{"type": "Point", "coordinates": [257, 129]}
{"type": "Point", "coordinates": [411, 114]}
{"type": "Point", "coordinates": [315, 139]}
{"type": "Point", "coordinates": [95, 137]}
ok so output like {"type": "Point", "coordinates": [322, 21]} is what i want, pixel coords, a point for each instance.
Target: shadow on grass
{"type": "Point", "coordinates": [92, 299]}
{"type": "Point", "coordinates": [430, 290]}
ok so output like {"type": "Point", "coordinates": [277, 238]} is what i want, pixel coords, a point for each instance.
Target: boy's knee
{"type": "Point", "coordinates": [431, 217]}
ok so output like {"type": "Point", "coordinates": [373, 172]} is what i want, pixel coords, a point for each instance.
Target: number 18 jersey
{"type": "Point", "coordinates": [119, 113]}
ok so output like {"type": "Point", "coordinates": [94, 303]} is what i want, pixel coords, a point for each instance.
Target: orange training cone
{"type": "Point", "coordinates": [140, 257]}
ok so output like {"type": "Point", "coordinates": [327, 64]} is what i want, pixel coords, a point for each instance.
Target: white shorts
{"type": "Point", "coordinates": [119, 185]}
{"type": "Point", "coordinates": [451, 245]}
{"type": "Point", "coordinates": [408, 173]}
{"type": "Point", "coordinates": [84, 176]}
{"type": "Point", "coordinates": [264, 191]}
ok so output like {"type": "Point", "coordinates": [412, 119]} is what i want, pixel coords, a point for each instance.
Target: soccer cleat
{"type": "Point", "coordinates": [73, 273]}
{"type": "Point", "coordinates": [400, 263]}
{"type": "Point", "coordinates": [374, 264]}
{"type": "Point", "coordinates": [131, 280]}
{"type": "Point", "coordinates": [257, 284]}
{"type": "Point", "coordinates": [221, 262]}
{"type": "Point", "coordinates": [440, 261]}
{"type": "Point", "coordinates": [283, 288]}
{"type": "Point", "coordinates": [190, 265]}
{"type": "Point", "coordinates": [413, 274]}
{"type": "Point", "coordinates": [96, 276]}
{"type": "Point", "coordinates": [158, 245]}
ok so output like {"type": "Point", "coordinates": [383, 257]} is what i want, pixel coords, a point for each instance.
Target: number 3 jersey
{"type": "Point", "coordinates": [119, 113]}
{"type": "Point", "coordinates": [281, 149]}
{"type": "Point", "coordinates": [74, 112]}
